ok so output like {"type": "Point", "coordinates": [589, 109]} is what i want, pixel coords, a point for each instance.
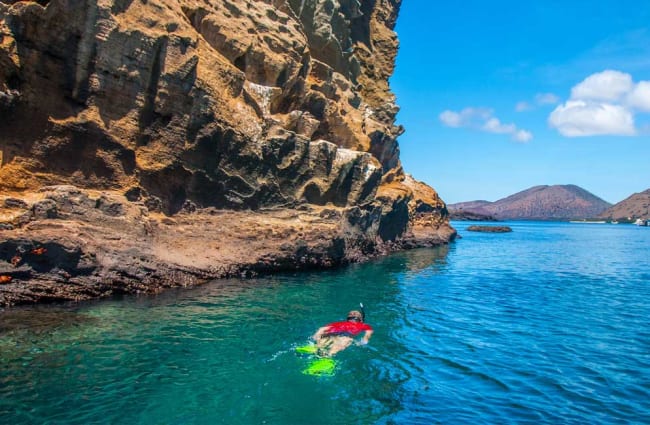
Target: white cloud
{"type": "Point", "coordinates": [639, 97]}
{"type": "Point", "coordinates": [483, 119]}
{"type": "Point", "coordinates": [584, 118]}
{"type": "Point", "coordinates": [604, 103]}
{"type": "Point", "coordinates": [468, 117]}
{"type": "Point", "coordinates": [541, 99]}
{"type": "Point", "coordinates": [451, 119]}
{"type": "Point", "coordinates": [523, 106]}
{"type": "Point", "coordinates": [493, 125]}
{"type": "Point", "coordinates": [523, 136]}
{"type": "Point", "coordinates": [608, 85]}
{"type": "Point", "coordinates": [546, 99]}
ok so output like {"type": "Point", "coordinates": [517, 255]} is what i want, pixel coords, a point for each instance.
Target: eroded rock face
{"type": "Point", "coordinates": [183, 105]}
{"type": "Point", "coordinates": [224, 104]}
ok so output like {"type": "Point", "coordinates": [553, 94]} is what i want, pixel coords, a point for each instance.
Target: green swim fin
{"type": "Point", "coordinates": [307, 349]}
{"type": "Point", "coordinates": [321, 367]}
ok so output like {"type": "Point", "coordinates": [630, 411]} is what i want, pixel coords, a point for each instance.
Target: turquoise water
{"type": "Point", "coordinates": [547, 324]}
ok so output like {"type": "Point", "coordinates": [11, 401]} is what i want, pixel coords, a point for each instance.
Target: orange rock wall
{"type": "Point", "coordinates": [235, 104]}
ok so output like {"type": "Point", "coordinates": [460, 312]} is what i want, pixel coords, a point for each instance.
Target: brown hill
{"type": "Point", "coordinates": [636, 206]}
{"type": "Point", "coordinates": [470, 211]}
{"type": "Point", "coordinates": [558, 202]}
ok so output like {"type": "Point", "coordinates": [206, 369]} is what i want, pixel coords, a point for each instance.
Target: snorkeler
{"type": "Point", "coordinates": [338, 336]}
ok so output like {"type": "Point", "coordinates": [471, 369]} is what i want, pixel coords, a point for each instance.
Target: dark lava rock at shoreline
{"type": "Point", "coordinates": [489, 229]}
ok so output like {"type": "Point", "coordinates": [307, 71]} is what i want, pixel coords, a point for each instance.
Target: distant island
{"type": "Point", "coordinates": [557, 202]}
{"type": "Point", "coordinates": [468, 215]}
{"type": "Point", "coordinates": [636, 206]}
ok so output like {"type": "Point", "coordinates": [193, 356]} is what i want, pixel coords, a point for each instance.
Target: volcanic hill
{"type": "Point", "coordinates": [631, 208]}
{"type": "Point", "coordinates": [558, 202]}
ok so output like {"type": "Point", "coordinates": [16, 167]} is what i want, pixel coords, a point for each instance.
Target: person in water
{"type": "Point", "coordinates": [338, 336]}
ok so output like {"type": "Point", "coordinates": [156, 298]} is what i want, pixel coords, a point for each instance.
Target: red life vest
{"type": "Point", "coordinates": [346, 328]}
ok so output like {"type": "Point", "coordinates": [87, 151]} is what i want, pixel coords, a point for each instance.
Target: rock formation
{"type": "Point", "coordinates": [138, 135]}
{"type": "Point", "coordinates": [631, 208]}
{"type": "Point", "coordinates": [557, 202]}
{"type": "Point", "coordinates": [490, 229]}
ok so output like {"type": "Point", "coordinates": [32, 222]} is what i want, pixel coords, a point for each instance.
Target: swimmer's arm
{"type": "Point", "coordinates": [319, 333]}
{"type": "Point", "coordinates": [366, 338]}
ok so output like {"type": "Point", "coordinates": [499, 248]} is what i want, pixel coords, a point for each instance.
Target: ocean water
{"type": "Point", "coordinates": [549, 324]}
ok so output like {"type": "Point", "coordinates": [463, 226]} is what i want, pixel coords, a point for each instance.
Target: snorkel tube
{"type": "Point", "coordinates": [363, 312]}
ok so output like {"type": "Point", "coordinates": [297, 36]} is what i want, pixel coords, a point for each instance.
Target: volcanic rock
{"type": "Point", "coordinates": [490, 229]}
{"type": "Point", "coordinates": [142, 134]}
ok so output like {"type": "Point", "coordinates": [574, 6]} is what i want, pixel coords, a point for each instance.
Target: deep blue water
{"type": "Point", "coordinates": [548, 324]}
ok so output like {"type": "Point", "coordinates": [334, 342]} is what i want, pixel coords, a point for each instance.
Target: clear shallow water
{"type": "Point", "coordinates": [548, 324]}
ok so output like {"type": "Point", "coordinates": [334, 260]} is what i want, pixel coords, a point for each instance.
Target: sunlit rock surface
{"type": "Point", "coordinates": [155, 143]}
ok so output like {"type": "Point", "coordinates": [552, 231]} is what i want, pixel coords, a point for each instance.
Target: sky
{"type": "Point", "coordinates": [499, 96]}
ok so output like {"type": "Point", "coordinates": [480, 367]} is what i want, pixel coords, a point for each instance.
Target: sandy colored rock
{"type": "Point", "coordinates": [175, 110]}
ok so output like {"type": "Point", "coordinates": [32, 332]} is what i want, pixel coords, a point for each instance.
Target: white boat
{"type": "Point", "coordinates": [640, 222]}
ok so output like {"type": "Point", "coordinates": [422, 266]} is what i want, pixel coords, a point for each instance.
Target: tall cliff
{"type": "Point", "coordinates": [149, 111]}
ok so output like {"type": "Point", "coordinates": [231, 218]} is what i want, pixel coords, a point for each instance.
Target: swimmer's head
{"type": "Point", "coordinates": [355, 316]}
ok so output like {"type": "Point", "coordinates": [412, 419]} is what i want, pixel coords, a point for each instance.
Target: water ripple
{"type": "Point", "coordinates": [548, 325]}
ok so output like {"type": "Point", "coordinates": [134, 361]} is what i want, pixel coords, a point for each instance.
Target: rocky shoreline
{"type": "Point", "coordinates": [161, 143]}
{"type": "Point", "coordinates": [68, 244]}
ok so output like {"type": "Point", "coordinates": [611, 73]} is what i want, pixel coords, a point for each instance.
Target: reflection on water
{"type": "Point", "coordinates": [41, 321]}
{"type": "Point", "coordinates": [532, 326]}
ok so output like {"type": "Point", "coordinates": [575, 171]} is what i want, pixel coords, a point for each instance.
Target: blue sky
{"type": "Point", "coordinates": [498, 96]}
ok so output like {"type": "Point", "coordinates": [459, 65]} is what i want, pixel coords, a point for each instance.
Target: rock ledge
{"type": "Point", "coordinates": [68, 244]}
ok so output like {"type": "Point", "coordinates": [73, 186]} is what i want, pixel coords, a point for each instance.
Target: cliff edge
{"type": "Point", "coordinates": [155, 143]}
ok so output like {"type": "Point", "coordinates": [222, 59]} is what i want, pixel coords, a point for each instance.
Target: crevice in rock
{"type": "Point", "coordinates": [194, 16]}
{"type": "Point", "coordinates": [394, 223]}
{"type": "Point", "coordinates": [360, 28]}
{"type": "Point", "coordinates": [13, 82]}
{"type": "Point", "coordinates": [291, 97]}
{"type": "Point", "coordinates": [312, 194]}
{"type": "Point", "coordinates": [148, 113]}
{"type": "Point", "coordinates": [120, 6]}
{"type": "Point", "coordinates": [385, 149]}
{"type": "Point", "coordinates": [240, 63]}
{"type": "Point", "coordinates": [282, 78]}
